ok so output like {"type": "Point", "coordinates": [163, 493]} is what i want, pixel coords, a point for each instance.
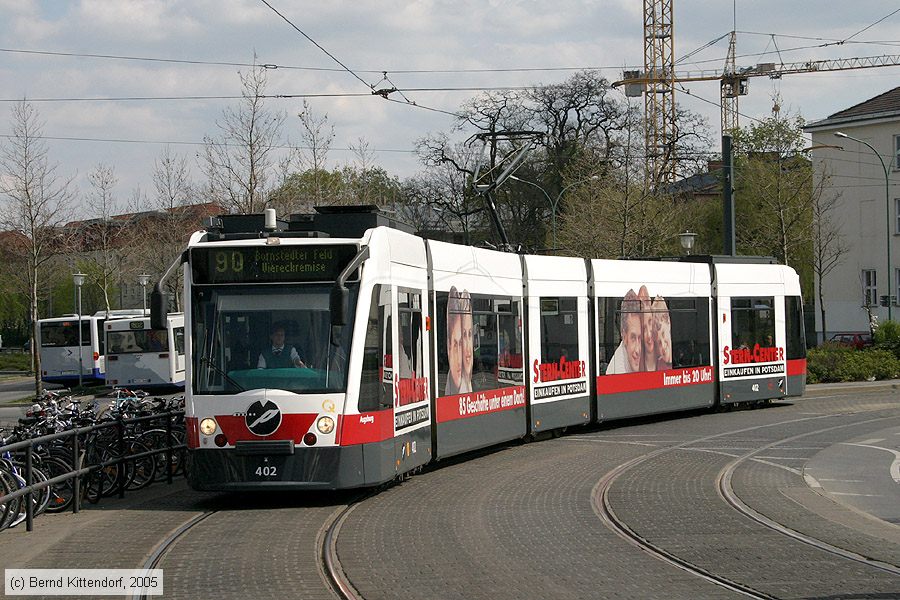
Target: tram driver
{"type": "Point", "coordinates": [277, 356]}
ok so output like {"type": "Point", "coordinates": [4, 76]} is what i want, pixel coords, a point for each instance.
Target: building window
{"type": "Point", "coordinates": [896, 283]}
{"type": "Point", "coordinates": [870, 289]}
{"type": "Point", "coordinates": [897, 213]}
{"type": "Point", "coordinates": [896, 152]}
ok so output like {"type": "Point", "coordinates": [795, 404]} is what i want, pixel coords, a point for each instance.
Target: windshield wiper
{"type": "Point", "coordinates": [221, 372]}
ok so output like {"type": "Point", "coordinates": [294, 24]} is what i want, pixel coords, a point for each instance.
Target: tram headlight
{"type": "Point", "coordinates": [325, 425]}
{"type": "Point", "coordinates": [208, 426]}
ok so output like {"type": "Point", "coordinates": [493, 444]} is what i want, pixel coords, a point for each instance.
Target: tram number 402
{"type": "Point", "coordinates": [266, 471]}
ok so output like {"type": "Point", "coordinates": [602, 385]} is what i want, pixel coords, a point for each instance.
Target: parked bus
{"type": "Point", "coordinates": [145, 358]}
{"type": "Point", "coordinates": [58, 339]}
{"type": "Point", "coordinates": [396, 351]}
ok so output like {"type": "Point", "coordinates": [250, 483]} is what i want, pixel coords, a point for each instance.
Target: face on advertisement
{"type": "Point", "coordinates": [633, 339]}
{"type": "Point", "coordinates": [647, 325]}
{"type": "Point", "coordinates": [468, 338]}
{"type": "Point", "coordinates": [454, 352]}
{"type": "Point", "coordinates": [663, 331]}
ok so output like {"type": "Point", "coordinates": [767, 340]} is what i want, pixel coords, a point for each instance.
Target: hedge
{"type": "Point", "coordinates": [15, 361]}
{"type": "Point", "coordinates": [832, 363]}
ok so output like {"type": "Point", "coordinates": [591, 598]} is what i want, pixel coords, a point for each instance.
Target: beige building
{"type": "Point", "coordinates": [867, 211]}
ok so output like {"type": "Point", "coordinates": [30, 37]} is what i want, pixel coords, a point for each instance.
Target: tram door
{"type": "Point", "coordinates": [752, 348]}
{"type": "Point", "coordinates": [410, 372]}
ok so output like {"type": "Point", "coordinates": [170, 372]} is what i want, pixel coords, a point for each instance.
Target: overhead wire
{"type": "Point", "coordinates": [349, 70]}
{"type": "Point", "coordinates": [315, 43]}
{"type": "Point", "coordinates": [184, 143]}
{"type": "Point", "coordinates": [267, 96]}
{"type": "Point", "coordinates": [870, 26]}
{"type": "Point", "coordinates": [274, 66]}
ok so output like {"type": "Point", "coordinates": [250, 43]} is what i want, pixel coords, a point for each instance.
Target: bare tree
{"type": "Point", "coordinates": [38, 203]}
{"type": "Point", "coordinates": [446, 184]}
{"type": "Point", "coordinates": [316, 137]}
{"type": "Point", "coordinates": [829, 244]}
{"type": "Point", "coordinates": [174, 190]}
{"type": "Point", "coordinates": [102, 236]}
{"type": "Point", "coordinates": [607, 219]}
{"type": "Point", "coordinates": [241, 163]}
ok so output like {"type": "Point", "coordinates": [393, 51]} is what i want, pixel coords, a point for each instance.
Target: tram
{"type": "Point", "coordinates": [61, 359]}
{"type": "Point", "coordinates": [338, 350]}
{"type": "Point", "coordinates": [144, 358]}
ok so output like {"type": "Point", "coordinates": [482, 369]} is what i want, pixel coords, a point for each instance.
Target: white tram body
{"type": "Point", "coordinates": [143, 358]}
{"type": "Point", "coordinates": [398, 351]}
{"type": "Point", "coordinates": [58, 343]}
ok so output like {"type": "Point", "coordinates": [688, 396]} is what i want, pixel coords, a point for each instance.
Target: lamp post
{"type": "Point", "coordinates": [555, 203]}
{"type": "Point", "coordinates": [144, 280]}
{"type": "Point", "coordinates": [887, 206]}
{"type": "Point", "coordinates": [687, 240]}
{"type": "Point", "coordinates": [78, 279]}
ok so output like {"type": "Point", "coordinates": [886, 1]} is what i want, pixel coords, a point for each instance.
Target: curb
{"type": "Point", "coordinates": [856, 385]}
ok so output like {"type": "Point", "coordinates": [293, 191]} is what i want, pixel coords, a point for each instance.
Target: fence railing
{"type": "Point", "coordinates": [78, 453]}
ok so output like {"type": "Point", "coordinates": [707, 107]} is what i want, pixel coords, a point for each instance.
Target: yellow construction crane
{"type": "Point", "coordinates": [657, 84]}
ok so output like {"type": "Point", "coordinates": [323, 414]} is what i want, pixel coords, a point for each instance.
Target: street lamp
{"type": "Point", "coordinates": [555, 203]}
{"type": "Point", "coordinates": [887, 205]}
{"type": "Point", "coordinates": [144, 280]}
{"type": "Point", "coordinates": [687, 240]}
{"type": "Point", "coordinates": [78, 278]}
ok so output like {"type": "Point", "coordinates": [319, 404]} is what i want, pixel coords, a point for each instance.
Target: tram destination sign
{"type": "Point", "coordinates": [271, 264]}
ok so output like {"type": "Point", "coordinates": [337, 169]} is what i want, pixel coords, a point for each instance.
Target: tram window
{"type": "Point", "coordinates": [474, 334]}
{"type": "Point", "coordinates": [509, 337]}
{"type": "Point", "coordinates": [753, 322]}
{"type": "Point", "coordinates": [408, 358]}
{"type": "Point", "coordinates": [661, 333]}
{"type": "Point", "coordinates": [234, 334]}
{"type": "Point", "coordinates": [795, 347]}
{"type": "Point", "coordinates": [374, 392]}
{"type": "Point", "coordinates": [559, 329]}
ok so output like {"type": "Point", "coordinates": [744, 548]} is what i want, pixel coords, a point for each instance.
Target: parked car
{"type": "Point", "coordinates": [858, 340]}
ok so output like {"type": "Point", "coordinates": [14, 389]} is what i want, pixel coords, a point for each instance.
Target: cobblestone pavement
{"type": "Point", "coordinates": [520, 521]}
{"type": "Point", "coordinates": [259, 546]}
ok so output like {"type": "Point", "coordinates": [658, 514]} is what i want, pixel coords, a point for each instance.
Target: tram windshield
{"type": "Point", "coordinates": [275, 337]}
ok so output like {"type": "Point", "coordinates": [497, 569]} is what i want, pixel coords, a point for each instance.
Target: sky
{"type": "Point", "coordinates": [452, 44]}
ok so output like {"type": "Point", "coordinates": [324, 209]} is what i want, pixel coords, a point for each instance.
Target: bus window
{"type": "Point", "coordinates": [101, 339]}
{"type": "Point", "coordinates": [179, 340]}
{"type": "Point", "coordinates": [64, 333]}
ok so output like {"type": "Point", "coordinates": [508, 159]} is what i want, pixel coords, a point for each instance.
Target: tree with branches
{"type": "Point", "coordinates": [102, 237]}
{"type": "Point", "coordinates": [241, 163]}
{"type": "Point", "coordinates": [38, 203]}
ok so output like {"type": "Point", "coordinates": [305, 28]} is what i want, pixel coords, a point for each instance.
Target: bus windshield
{"type": "Point", "coordinates": [275, 337]}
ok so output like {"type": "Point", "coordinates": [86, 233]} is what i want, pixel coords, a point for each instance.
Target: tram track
{"type": "Point", "coordinates": [156, 557]}
{"type": "Point", "coordinates": [724, 485]}
{"type": "Point", "coordinates": [603, 507]}
{"type": "Point", "coordinates": [328, 559]}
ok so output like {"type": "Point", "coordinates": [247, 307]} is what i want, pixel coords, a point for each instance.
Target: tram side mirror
{"type": "Point", "coordinates": [339, 305]}
{"type": "Point", "coordinates": [159, 309]}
